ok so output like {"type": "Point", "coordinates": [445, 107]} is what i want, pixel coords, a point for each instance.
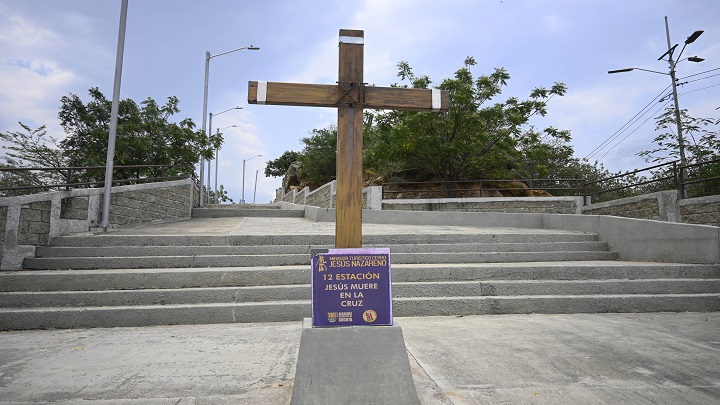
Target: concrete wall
{"type": "Point", "coordinates": [34, 220]}
{"type": "Point", "coordinates": [633, 239]}
{"type": "Point", "coordinates": [548, 205]}
{"type": "Point", "coordinates": [646, 240]}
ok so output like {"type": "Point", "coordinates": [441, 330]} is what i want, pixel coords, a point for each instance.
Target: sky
{"type": "Point", "coordinates": [52, 48]}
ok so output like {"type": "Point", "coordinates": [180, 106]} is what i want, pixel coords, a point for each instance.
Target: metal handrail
{"type": "Point", "coordinates": [629, 173]}
{"type": "Point", "coordinates": [7, 169]}
{"type": "Point", "coordinates": [69, 184]}
{"type": "Point", "coordinates": [678, 176]}
{"type": "Point", "coordinates": [444, 182]}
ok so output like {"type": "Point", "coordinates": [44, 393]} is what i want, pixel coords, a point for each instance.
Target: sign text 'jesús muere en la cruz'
{"type": "Point", "coordinates": [351, 287]}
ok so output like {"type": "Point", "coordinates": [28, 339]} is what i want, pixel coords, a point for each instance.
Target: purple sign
{"type": "Point", "coordinates": [351, 287]}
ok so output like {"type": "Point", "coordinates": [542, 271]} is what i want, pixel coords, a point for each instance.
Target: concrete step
{"type": "Point", "coordinates": [110, 239]}
{"type": "Point", "coordinates": [244, 206]}
{"type": "Point", "coordinates": [119, 251]}
{"type": "Point", "coordinates": [285, 311]}
{"type": "Point", "coordinates": [170, 278]}
{"type": "Point", "coordinates": [299, 292]}
{"type": "Point", "coordinates": [121, 279]}
{"type": "Point", "coordinates": [144, 297]}
{"type": "Point", "coordinates": [254, 260]}
{"type": "Point", "coordinates": [246, 212]}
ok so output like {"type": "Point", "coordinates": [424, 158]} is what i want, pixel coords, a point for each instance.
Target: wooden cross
{"type": "Point", "coordinates": [350, 96]}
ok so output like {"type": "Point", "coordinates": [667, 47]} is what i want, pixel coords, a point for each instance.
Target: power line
{"type": "Point", "coordinates": [631, 150]}
{"type": "Point", "coordinates": [702, 78]}
{"type": "Point", "coordinates": [626, 126]}
{"type": "Point", "coordinates": [704, 88]}
{"type": "Point", "coordinates": [636, 128]}
{"type": "Point", "coordinates": [642, 113]}
{"type": "Point", "coordinates": [698, 74]}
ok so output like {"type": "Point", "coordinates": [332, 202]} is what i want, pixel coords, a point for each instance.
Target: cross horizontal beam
{"type": "Point", "coordinates": [322, 95]}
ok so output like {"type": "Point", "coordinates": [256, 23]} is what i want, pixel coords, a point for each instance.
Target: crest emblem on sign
{"type": "Point", "coordinates": [369, 316]}
{"type": "Point", "coordinates": [332, 316]}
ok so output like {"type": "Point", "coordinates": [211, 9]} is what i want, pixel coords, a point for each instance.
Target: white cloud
{"type": "Point", "coordinates": [16, 32]}
{"type": "Point", "coordinates": [31, 92]}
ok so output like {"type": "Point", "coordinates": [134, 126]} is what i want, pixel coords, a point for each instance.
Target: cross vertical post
{"type": "Point", "coordinates": [350, 97]}
{"type": "Point", "coordinates": [348, 214]}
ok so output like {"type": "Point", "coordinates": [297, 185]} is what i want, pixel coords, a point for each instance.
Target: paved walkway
{"type": "Point", "coordinates": [279, 226]}
{"type": "Point", "coordinates": [498, 359]}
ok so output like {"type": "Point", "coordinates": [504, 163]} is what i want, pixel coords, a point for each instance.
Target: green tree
{"type": "Point", "coordinates": [221, 196]}
{"type": "Point", "coordinates": [702, 144]}
{"type": "Point", "coordinates": [475, 138]}
{"type": "Point", "coordinates": [700, 138]}
{"type": "Point", "coordinates": [279, 167]}
{"type": "Point", "coordinates": [31, 148]}
{"type": "Point", "coordinates": [319, 156]}
{"type": "Point", "coordinates": [145, 136]}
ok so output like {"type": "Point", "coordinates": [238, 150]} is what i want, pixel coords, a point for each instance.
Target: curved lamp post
{"type": "Point", "coordinates": [242, 200]}
{"type": "Point", "coordinates": [208, 56]}
{"type": "Point", "coordinates": [208, 165]}
{"type": "Point", "coordinates": [217, 150]}
{"type": "Point", "coordinates": [672, 64]}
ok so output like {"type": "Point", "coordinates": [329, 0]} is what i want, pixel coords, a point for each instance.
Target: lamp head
{"type": "Point", "coordinates": [695, 59]}
{"type": "Point", "coordinates": [255, 48]}
{"type": "Point", "coordinates": [693, 37]}
{"type": "Point", "coordinates": [620, 70]}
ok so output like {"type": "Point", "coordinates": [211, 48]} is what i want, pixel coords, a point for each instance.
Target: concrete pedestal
{"type": "Point", "coordinates": [353, 365]}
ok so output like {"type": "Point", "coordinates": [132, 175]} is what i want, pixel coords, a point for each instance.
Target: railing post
{"type": "Point", "coordinates": [68, 181]}
{"type": "Point", "coordinates": [681, 181]}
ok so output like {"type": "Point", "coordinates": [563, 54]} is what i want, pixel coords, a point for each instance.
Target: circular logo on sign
{"type": "Point", "coordinates": [370, 316]}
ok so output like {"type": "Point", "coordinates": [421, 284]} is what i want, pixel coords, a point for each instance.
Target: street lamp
{"type": "Point", "coordinates": [217, 151]}
{"type": "Point", "coordinates": [255, 190]}
{"type": "Point", "coordinates": [208, 56]}
{"type": "Point", "coordinates": [242, 200]}
{"type": "Point", "coordinates": [210, 131]}
{"type": "Point", "coordinates": [672, 64]}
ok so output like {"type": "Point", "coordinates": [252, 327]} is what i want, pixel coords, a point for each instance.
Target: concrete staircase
{"type": "Point", "coordinates": [245, 210]}
{"type": "Point", "coordinates": [137, 280]}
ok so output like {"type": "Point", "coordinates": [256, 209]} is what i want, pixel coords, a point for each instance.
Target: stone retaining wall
{"type": "Point", "coordinates": [34, 220]}
{"type": "Point", "coordinates": [74, 208]}
{"type": "Point", "coordinates": [321, 197]}
{"type": "Point", "coordinates": [543, 205]}
{"type": "Point", "coordinates": [325, 196]}
{"type": "Point", "coordinates": [289, 197]}
{"type": "Point", "coordinates": [661, 206]}
{"type": "Point", "coordinates": [155, 204]}
{"type": "Point", "coordinates": [644, 209]}
{"type": "Point", "coordinates": [34, 224]}
{"type": "Point", "coordinates": [702, 210]}
{"type": "Point", "coordinates": [3, 221]}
